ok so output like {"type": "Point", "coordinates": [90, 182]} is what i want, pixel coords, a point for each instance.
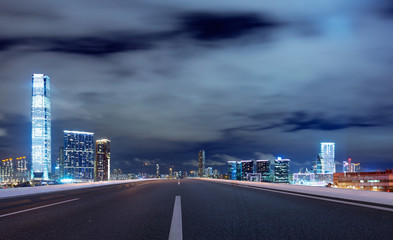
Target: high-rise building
{"type": "Point", "coordinates": [41, 127]}
{"type": "Point", "coordinates": [14, 169]}
{"type": "Point", "coordinates": [239, 170]}
{"type": "Point", "coordinates": [157, 170]}
{"type": "Point", "coordinates": [59, 169]}
{"type": "Point", "coordinates": [281, 170]}
{"type": "Point", "coordinates": [349, 167]}
{"type": "Point", "coordinates": [201, 163]}
{"type": "Point", "coordinates": [103, 160]}
{"type": "Point", "coordinates": [263, 167]}
{"type": "Point", "coordinates": [78, 155]}
{"type": "Point", "coordinates": [327, 153]}
{"type": "Point", "coordinates": [319, 164]}
{"type": "Point", "coordinates": [232, 170]}
{"type": "Point", "coordinates": [247, 167]}
{"type": "Point", "coordinates": [208, 171]}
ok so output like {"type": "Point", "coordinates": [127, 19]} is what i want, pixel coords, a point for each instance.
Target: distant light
{"type": "Point", "coordinates": [279, 158]}
{"type": "Point", "coordinates": [67, 180]}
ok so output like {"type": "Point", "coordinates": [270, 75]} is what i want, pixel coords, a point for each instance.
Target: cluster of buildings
{"type": "Point", "coordinates": [14, 169]}
{"type": "Point", "coordinates": [83, 159]}
{"type": "Point", "coordinates": [80, 159]}
{"type": "Point", "coordinates": [204, 171]}
{"type": "Point", "coordinates": [260, 170]}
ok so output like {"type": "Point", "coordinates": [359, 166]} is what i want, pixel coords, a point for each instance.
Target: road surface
{"type": "Point", "coordinates": [186, 209]}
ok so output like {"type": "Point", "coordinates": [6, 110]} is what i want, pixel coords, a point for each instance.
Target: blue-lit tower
{"type": "Point", "coordinates": [79, 155]}
{"type": "Point", "coordinates": [41, 127]}
{"type": "Point", "coordinates": [327, 153]}
{"type": "Point", "coordinates": [232, 170]}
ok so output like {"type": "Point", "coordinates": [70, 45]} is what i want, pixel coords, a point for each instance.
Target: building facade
{"type": "Point", "coordinates": [263, 167]}
{"type": "Point", "coordinates": [78, 155]}
{"type": "Point", "coordinates": [327, 154]}
{"type": "Point", "coordinates": [281, 170]}
{"type": "Point", "coordinates": [373, 181]}
{"type": "Point", "coordinates": [14, 170]}
{"type": "Point", "coordinates": [349, 166]}
{"type": "Point", "coordinates": [247, 167]}
{"type": "Point", "coordinates": [158, 171]}
{"type": "Point", "coordinates": [232, 170]}
{"type": "Point", "coordinates": [102, 160]}
{"type": "Point", "coordinates": [41, 127]}
{"type": "Point", "coordinates": [201, 163]}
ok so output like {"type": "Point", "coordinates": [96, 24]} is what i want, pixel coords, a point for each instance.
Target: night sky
{"type": "Point", "coordinates": [246, 79]}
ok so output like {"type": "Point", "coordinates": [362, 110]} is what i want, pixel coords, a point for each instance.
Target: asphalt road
{"type": "Point", "coordinates": [208, 211]}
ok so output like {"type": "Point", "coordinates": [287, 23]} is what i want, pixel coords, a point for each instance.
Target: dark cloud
{"type": "Point", "coordinates": [97, 45]}
{"type": "Point", "coordinates": [302, 120]}
{"type": "Point", "coordinates": [8, 43]}
{"type": "Point", "coordinates": [219, 26]}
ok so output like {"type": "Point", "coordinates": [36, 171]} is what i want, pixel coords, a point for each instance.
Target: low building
{"type": "Point", "coordinates": [374, 181]}
{"type": "Point", "coordinates": [304, 178]}
{"type": "Point", "coordinates": [254, 177]}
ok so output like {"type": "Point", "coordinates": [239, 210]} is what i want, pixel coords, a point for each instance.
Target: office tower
{"type": "Point", "coordinates": [60, 163]}
{"type": "Point", "coordinates": [6, 170]}
{"type": "Point", "coordinates": [21, 170]}
{"type": "Point", "coordinates": [349, 167]}
{"type": "Point", "coordinates": [247, 167]}
{"type": "Point", "coordinates": [208, 171]}
{"type": "Point", "coordinates": [327, 152]}
{"type": "Point", "coordinates": [201, 162]}
{"type": "Point", "coordinates": [103, 160]}
{"type": "Point", "coordinates": [232, 170]}
{"type": "Point", "coordinates": [281, 170]}
{"type": "Point", "coordinates": [157, 170]}
{"type": "Point", "coordinates": [41, 127]}
{"type": "Point", "coordinates": [319, 165]}
{"type": "Point", "coordinates": [263, 167]}
{"type": "Point", "coordinates": [78, 155]}
{"type": "Point", "coordinates": [238, 170]}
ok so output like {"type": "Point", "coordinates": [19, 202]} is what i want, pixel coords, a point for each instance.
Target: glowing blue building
{"type": "Point", "coordinates": [232, 170]}
{"type": "Point", "coordinates": [41, 127]}
{"type": "Point", "coordinates": [79, 155]}
{"type": "Point", "coordinates": [327, 153]}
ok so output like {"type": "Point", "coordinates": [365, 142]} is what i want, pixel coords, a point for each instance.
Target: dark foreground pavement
{"type": "Point", "coordinates": [209, 211]}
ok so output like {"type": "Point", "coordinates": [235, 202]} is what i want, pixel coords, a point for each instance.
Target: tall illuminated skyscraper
{"type": "Point", "coordinates": [78, 155]}
{"type": "Point", "coordinates": [103, 160]}
{"type": "Point", "coordinates": [201, 163]}
{"type": "Point", "coordinates": [41, 127]}
{"type": "Point", "coordinates": [327, 153]}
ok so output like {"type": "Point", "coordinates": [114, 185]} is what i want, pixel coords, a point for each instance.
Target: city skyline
{"type": "Point", "coordinates": [162, 85]}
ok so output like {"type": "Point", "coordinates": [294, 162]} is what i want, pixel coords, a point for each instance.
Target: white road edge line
{"type": "Point", "coordinates": [176, 232]}
{"type": "Point", "coordinates": [35, 208]}
{"type": "Point", "coordinates": [320, 198]}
